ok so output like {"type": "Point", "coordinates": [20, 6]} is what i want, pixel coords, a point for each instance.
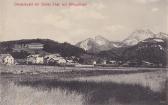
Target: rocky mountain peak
{"type": "Point", "coordinates": [137, 36]}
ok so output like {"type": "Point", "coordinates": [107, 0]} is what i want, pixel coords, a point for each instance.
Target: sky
{"type": "Point", "coordinates": [112, 19]}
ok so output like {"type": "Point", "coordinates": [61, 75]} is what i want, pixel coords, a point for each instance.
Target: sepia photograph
{"type": "Point", "coordinates": [83, 52]}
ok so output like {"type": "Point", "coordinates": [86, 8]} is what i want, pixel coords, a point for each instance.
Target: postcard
{"type": "Point", "coordinates": [83, 52]}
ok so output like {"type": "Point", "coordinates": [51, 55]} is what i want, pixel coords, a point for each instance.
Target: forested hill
{"type": "Point", "coordinates": [153, 50]}
{"type": "Point", "coordinates": [50, 46]}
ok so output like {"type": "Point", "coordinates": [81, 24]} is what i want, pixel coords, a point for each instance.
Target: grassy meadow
{"type": "Point", "coordinates": [82, 86]}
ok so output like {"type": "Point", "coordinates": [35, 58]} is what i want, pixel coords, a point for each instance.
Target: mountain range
{"type": "Point", "coordinates": [99, 43]}
{"type": "Point", "coordinates": [140, 35]}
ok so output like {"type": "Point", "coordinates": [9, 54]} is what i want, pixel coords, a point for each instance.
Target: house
{"type": "Point", "coordinates": [6, 59]}
{"type": "Point", "coordinates": [70, 61]}
{"type": "Point", "coordinates": [50, 61]}
{"type": "Point", "coordinates": [94, 62]}
{"type": "Point", "coordinates": [61, 61]}
{"type": "Point", "coordinates": [35, 46]}
{"type": "Point", "coordinates": [104, 62]}
{"type": "Point", "coordinates": [112, 62]}
{"type": "Point", "coordinates": [35, 59]}
{"type": "Point", "coordinates": [54, 59]}
{"type": "Point", "coordinates": [28, 46]}
{"type": "Point", "coordinates": [88, 59]}
{"type": "Point", "coordinates": [147, 64]}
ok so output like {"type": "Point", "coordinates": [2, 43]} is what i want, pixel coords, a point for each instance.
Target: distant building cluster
{"type": "Point", "coordinates": [49, 59]}
{"type": "Point", "coordinates": [58, 60]}
{"type": "Point", "coordinates": [35, 59]}
{"type": "Point", "coordinates": [28, 47]}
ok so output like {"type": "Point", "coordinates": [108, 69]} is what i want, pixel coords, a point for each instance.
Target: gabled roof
{"type": "Point", "coordinates": [35, 44]}
{"type": "Point", "coordinates": [52, 56]}
{"type": "Point", "coordinates": [35, 55]}
{"type": "Point", "coordinates": [2, 56]}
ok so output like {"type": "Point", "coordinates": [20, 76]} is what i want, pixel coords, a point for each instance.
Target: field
{"type": "Point", "coordinates": [42, 69]}
{"type": "Point", "coordinates": [49, 85]}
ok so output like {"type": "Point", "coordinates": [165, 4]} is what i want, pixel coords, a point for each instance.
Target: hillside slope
{"type": "Point", "coordinates": [50, 46]}
{"type": "Point", "coordinates": [153, 50]}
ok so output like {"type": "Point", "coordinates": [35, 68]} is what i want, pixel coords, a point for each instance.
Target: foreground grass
{"type": "Point", "coordinates": [71, 74]}
{"type": "Point", "coordinates": [41, 69]}
{"type": "Point", "coordinates": [77, 84]}
{"type": "Point", "coordinates": [104, 93]}
{"type": "Point", "coordinates": [53, 72]}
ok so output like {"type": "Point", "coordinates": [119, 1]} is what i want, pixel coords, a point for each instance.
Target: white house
{"type": "Point", "coordinates": [6, 59]}
{"type": "Point", "coordinates": [61, 61]}
{"type": "Point", "coordinates": [28, 46]}
{"type": "Point", "coordinates": [35, 46]}
{"type": "Point", "coordinates": [94, 63]}
{"type": "Point", "coordinates": [112, 62]}
{"type": "Point", "coordinates": [104, 62]}
{"type": "Point", "coordinates": [70, 61]}
{"type": "Point", "coordinates": [35, 59]}
{"type": "Point", "coordinates": [54, 58]}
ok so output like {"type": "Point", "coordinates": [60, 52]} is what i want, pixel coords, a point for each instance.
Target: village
{"type": "Point", "coordinates": [37, 56]}
{"type": "Point", "coordinates": [43, 58]}
{"type": "Point", "coordinates": [37, 59]}
{"type": "Point", "coordinates": [49, 59]}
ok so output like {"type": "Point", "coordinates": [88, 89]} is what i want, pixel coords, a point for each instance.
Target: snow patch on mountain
{"type": "Point", "coordinates": [137, 36]}
{"type": "Point", "coordinates": [97, 43]}
{"type": "Point", "coordinates": [158, 40]}
{"type": "Point", "coordinates": [85, 45]}
{"type": "Point", "coordinates": [162, 35]}
{"type": "Point", "coordinates": [100, 40]}
{"type": "Point", "coordinates": [140, 35]}
{"type": "Point", "coordinates": [116, 45]}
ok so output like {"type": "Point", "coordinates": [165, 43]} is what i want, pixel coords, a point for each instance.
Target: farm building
{"type": "Point", "coordinates": [53, 59]}
{"type": "Point", "coordinates": [147, 64]}
{"type": "Point", "coordinates": [6, 59]}
{"type": "Point", "coordinates": [112, 62]}
{"type": "Point", "coordinates": [61, 61]}
{"type": "Point", "coordinates": [35, 59]}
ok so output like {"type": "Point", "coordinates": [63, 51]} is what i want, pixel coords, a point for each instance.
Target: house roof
{"type": "Point", "coordinates": [52, 55]}
{"type": "Point", "coordinates": [54, 58]}
{"type": "Point", "coordinates": [2, 56]}
{"type": "Point", "coordinates": [35, 55]}
{"type": "Point", "coordinates": [35, 44]}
